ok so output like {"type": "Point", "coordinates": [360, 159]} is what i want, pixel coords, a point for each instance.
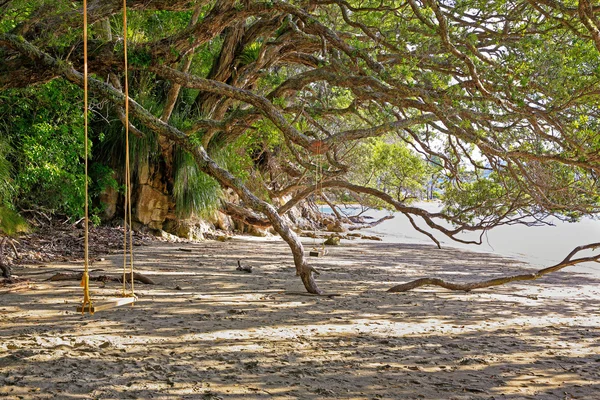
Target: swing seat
{"type": "Point", "coordinates": [107, 305]}
{"type": "Point", "coordinates": [317, 253]}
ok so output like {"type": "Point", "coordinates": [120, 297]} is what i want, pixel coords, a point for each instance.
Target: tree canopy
{"type": "Point", "coordinates": [494, 102]}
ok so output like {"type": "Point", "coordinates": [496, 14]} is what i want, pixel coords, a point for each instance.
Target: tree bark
{"type": "Point", "coordinates": [6, 272]}
{"type": "Point", "coordinates": [245, 216]}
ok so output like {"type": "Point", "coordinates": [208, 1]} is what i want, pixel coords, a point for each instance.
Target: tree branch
{"type": "Point", "coordinates": [466, 287]}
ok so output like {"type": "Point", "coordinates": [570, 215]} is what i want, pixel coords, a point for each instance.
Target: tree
{"type": "Point", "coordinates": [500, 97]}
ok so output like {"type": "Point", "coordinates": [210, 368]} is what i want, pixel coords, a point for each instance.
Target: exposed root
{"type": "Point", "coordinates": [102, 278]}
{"type": "Point", "coordinates": [466, 287]}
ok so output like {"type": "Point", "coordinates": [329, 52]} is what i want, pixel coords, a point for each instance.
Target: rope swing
{"type": "Point", "coordinates": [316, 251]}
{"type": "Point", "coordinates": [127, 297]}
{"type": "Point", "coordinates": [85, 279]}
{"type": "Point", "coordinates": [127, 219]}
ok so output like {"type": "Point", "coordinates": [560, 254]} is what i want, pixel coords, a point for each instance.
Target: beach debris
{"type": "Point", "coordinates": [372, 237]}
{"type": "Point", "coordinates": [332, 241]}
{"type": "Point", "coordinates": [244, 268]}
{"type": "Point", "coordinates": [100, 278]}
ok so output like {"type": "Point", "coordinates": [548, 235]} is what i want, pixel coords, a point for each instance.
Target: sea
{"type": "Point", "coordinates": [539, 246]}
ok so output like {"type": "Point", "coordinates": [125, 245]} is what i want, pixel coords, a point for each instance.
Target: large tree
{"type": "Point", "coordinates": [499, 98]}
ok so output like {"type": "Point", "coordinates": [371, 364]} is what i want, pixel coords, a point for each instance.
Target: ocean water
{"type": "Point", "coordinates": [539, 246]}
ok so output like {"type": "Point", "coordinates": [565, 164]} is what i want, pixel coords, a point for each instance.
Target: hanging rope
{"type": "Point", "coordinates": [320, 185]}
{"type": "Point", "coordinates": [319, 191]}
{"type": "Point", "coordinates": [85, 279]}
{"type": "Point", "coordinates": [127, 228]}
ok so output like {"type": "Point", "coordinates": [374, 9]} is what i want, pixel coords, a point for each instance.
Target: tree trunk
{"type": "Point", "coordinates": [6, 272]}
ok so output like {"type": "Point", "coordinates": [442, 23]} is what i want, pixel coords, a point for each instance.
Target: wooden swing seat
{"type": "Point", "coordinates": [107, 305]}
{"type": "Point", "coordinates": [317, 253]}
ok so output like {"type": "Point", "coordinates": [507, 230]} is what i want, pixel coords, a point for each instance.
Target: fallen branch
{"type": "Point", "coordinates": [467, 287]}
{"type": "Point", "coordinates": [61, 276]}
{"type": "Point", "coordinates": [13, 285]}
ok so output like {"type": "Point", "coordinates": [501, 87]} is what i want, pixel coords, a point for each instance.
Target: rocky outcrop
{"type": "Point", "coordinates": [223, 222]}
{"type": "Point", "coordinates": [191, 229]}
{"type": "Point", "coordinates": [152, 204]}
{"type": "Point", "coordinates": [151, 207]}
{"type": "Point", "coordinates": [108, 203]}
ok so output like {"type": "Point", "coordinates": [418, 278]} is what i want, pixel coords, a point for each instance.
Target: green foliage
{"type": "Point", "coordinates": [12, 223]}
{"type": "Point", "coordinates": [249, 54]}
{"type": "Point", "coordinates": [6, 187]}
{"type": "Point", "coordinates": [139, 58]}
{"type": "Point", "coordinates": [195, 193]}
{"type": "Point", "coordinates": [483, 197]}
{"type": "Point", "coordinates": [102, 177]}
{"type": "Point", "coordinates": [390, 167]}
{"type": "Point", "coordinates": [46, 126]}
{"type": "Point", "coordinates": [506, 85]}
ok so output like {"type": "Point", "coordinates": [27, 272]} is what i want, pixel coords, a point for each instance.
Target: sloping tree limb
{"type": "Point", "coordinates": [244, 215]}
{"type": "Point", "coordinates": [466, 287]}
{"type": "Point", "coordinates": [399, 206]}
{"type": "Point", "coordinates": [204, 162]}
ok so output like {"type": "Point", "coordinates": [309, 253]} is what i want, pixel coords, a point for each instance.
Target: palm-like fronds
{"type": "Point", "coordinates": [195, 192]}
{"type": "Point", "coordinates": [6, 188]}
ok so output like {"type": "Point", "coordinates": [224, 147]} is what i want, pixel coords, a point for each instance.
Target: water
{"type": "Point", "coordinates": [540, 246]}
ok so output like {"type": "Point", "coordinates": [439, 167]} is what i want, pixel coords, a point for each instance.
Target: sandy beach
{"type": "Point", "coordinates": [207, 331]}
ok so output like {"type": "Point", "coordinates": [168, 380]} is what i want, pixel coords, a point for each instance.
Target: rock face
{"type": "Point", "coordinates": [223, 221]}
{"type": "Point", "coordinates": [108, 200]}
{"type": "Point", "coordinates": [151, 207]}
{"type": "Point", "coordinates": [191, 229]}
{"type": "Point", "coordinates": [151, 204]}
{"type": "Point", "coordinates": [334, 226]}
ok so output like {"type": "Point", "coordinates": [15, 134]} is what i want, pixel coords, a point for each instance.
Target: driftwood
{"type": "Point", "coordinates": [244, 268]}
{"type": "Point", "coordinates": [467, 287]}
{"type": "Point", "coordinates": [137, 277]}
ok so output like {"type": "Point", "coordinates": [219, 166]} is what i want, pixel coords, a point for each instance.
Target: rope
{"type": "Point", "coordinates": [85, 279]}
{"type": "Point", "coordinates": [127, 228]}
{"type": "Point", "coordinates": [320, 184]}
{"type": "Point", "coordinates": [319, 190]}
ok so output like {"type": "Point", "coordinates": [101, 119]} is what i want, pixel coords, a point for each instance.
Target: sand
{"type": "Point", "coordinates": [207, 331]}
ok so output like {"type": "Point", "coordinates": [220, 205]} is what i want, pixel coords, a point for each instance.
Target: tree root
{"type": "Point", "coordinates": [137, 277]}
{"type": "Point", "coordinates": [14, 284]}
{"type": "Point", "coordinates": [467, 287]}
